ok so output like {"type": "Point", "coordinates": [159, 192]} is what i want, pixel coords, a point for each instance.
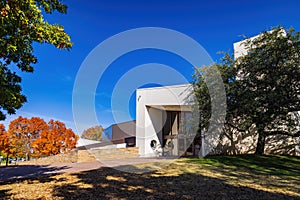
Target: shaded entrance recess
{"type": "Point", "coordinates": [175, 138]}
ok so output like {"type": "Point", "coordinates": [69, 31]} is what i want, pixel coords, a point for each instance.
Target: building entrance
{"type": "Point", "coordinates": [177, 139]}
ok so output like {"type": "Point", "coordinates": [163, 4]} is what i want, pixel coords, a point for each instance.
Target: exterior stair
{"type": "Point", "coordinates": [107, 154]}
{"type": "Point", "coordinates": [85, 156]}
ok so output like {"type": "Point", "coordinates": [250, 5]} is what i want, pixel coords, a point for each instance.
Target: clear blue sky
{"type": "Point", "coordinates": [216, 25]}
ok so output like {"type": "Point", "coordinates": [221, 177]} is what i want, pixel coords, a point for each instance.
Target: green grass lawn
{"type": "Point", "coordinates": [215, 177]}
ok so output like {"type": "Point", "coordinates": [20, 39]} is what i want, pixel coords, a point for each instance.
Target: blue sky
{"type": "Point", "coordinates": [216, 25]}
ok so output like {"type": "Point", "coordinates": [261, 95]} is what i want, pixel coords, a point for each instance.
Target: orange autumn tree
{"type": "Point", "coordinates": [10, 144]}
{"type": "Point", "coordinates": [56, 139]}
{"type": "Point", "coordinates": [4, 142]}
{"type": "Point", "coordinates": [93, 133]}
{"type": "Point", "coordinates": [19, 137]}
{"type": "Point", "coordinates": [34, 137]}
{"type": "Point", "coordinates": [23, 132]}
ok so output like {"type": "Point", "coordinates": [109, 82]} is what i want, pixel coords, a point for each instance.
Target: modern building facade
{"type": "Point", "coordinates": [162, 126]}
{"type": "Point", "coordinates": [121, 133]}
{"type": "Point", "coordinates": [161, 113]}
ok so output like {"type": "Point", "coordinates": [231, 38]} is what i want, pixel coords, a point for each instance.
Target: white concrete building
{"type": "Point", "coordinates": [240, 49]}
{"type": "Point", "coordinates": [160, 116]}
{"type": "Point", "coordinates": [161, 128]}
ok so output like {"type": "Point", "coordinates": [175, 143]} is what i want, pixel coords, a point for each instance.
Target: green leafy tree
{"type": "Point", "coordinates": [262, 87]}
{"type": "Point", "coordinates": [204, 75]}
{"type": "Point", "coordinates": [22, 23]}
{"type": "Point", "coordinates": [268, 88]}
{"type": "Point", "coordinates": [93, 133]}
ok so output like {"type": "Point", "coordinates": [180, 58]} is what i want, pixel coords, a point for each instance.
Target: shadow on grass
{"type": "Point", "coordinates": [108, 183]}
{"type": "Point", "coordinates": [28, 173]}
{"type": "Point", "coordinates": [12, 173]}
{"type": "Point", "coordinates": [269, 171]}
{"type": "Point", "coordinates": [4, 194]}
{"type": "Point", "coordinates": [190, 183]}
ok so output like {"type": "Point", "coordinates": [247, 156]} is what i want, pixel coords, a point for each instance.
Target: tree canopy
{"type": "Point", "coordinates": [35, 138]}
{"type": "Point", "coordinates": [24, 131]}
{"type": "Point", "coordinates": [22, 24]}
{"type": "Point", "coordinates": [56, 139]}
{"type": "Point", "coordinates": [4, 141]}
{"type": "Point", "coordinates": [93, 133]}
{"type": "Point", "coordinates": [262, 87]}
{"type": "Point", "coordinates": [269, 89]}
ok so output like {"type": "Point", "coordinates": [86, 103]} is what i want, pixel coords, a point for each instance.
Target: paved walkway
{"type": "Point", "coordinates": [33, 171]}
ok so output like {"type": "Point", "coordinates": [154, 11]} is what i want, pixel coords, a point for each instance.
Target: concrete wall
{"type": "Point", "coordinates": [150, 105]}
{"type": "Point", "coordinates": [240, 48]}
{"type": "Point", "coordinates": [233, 142]}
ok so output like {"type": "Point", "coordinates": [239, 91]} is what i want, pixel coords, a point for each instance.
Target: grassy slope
{"type": "Point", "coordinates": [221, 177]}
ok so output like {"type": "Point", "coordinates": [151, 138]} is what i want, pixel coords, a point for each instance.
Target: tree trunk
{"type": "Point", "coordinates": [260, 147]}
{"type": "Point", "coordinates": [6, 161]}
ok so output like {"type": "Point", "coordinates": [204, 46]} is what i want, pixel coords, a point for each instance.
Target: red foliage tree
{"type": "Point", "coordinates": [3, 138]}
{"type": "Point", "coordinates": [4, 142]}
{"type": "Point", "coordinates": [23, 132]}
{"type": "Point", "coordinates": [56, 139]}
{"type": "Point", "coordinates": [34, 137]}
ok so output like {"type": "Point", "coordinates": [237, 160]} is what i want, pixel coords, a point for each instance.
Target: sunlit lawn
{"type": "Point", "coordinates": [216, 177]}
